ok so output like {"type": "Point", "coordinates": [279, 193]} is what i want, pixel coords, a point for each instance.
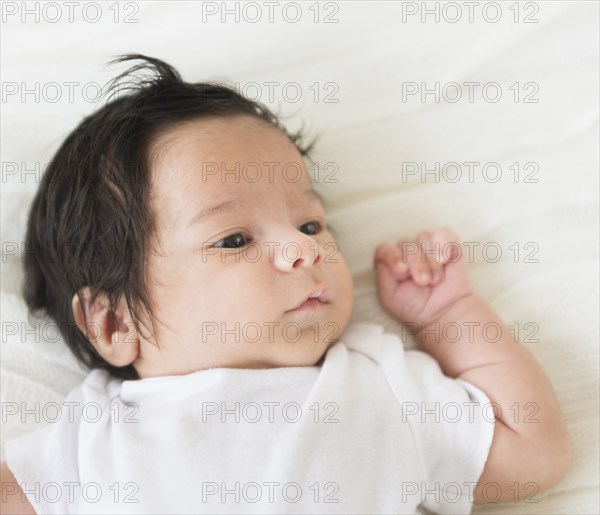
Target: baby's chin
{"type": "Point", "coordinates": [303, 354]}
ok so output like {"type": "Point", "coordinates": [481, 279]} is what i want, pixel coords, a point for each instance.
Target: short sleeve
{"type": "Point", "coordinates": [45, 461]}
{"type": "Point", "coordinates": [452, 422]}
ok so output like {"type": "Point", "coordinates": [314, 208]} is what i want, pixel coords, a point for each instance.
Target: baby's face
{"type": "Point", "coordinates": [237, 252]}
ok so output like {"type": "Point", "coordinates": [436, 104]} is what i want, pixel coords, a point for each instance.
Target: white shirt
{"type": "Point", "coordinates": [375, 429]}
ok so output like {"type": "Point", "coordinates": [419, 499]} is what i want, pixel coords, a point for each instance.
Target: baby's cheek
{"type": "Point", "coordinates": [245, 287]}
{"type": "Point", "coordinates": [344, 288]}
{"type": "Point", "coordinates": [343, 271]}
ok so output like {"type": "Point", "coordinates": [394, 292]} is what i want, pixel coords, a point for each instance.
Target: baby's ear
{"type": "Point", "coordinates": [112, 333]}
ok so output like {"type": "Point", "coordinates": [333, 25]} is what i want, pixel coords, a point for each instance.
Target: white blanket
{"type": "Point", "coordinates": [379, 143]}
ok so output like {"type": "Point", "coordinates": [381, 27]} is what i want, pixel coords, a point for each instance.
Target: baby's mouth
{"type": "Point", "coordinates": [312, 302]}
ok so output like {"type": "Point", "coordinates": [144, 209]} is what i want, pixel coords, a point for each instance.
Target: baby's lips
{"type": "Point", "coordinates": [322, 294]}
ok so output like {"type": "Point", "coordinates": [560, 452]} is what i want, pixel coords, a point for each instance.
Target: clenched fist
{"type": "Point", "coordinates": [418, 279]}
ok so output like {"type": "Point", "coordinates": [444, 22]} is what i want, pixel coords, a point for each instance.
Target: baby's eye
{"type": "Point", "coordinates": [312, 227]}
{"type": "Point", "coordinates": [235, 241]}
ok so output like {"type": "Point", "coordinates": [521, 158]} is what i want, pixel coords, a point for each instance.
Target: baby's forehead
{"type": "Point", "coordinates": [227, 138]}
{"type": "Point", "coordinates": [228, 160]}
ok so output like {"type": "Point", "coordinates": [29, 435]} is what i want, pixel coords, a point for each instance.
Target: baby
{"type": "Point", "coordinates": [178, 243]}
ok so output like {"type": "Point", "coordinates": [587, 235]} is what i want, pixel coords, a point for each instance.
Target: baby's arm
{"type": "Point", "coordinates": [13, 498]}
{"type": "Point", "coordinates": [431, 293]}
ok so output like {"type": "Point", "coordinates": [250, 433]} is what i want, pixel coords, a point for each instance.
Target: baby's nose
{"type": "Point", "coordinates": [302, 252]}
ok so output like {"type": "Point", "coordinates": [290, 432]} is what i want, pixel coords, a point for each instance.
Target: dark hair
{"type": "Point", "coordinates": [90, 224]}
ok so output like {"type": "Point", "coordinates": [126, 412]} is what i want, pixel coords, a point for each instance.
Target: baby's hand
{"type": "Point", "coordinates": [419, 279]}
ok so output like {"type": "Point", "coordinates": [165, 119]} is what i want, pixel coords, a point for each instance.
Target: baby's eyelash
{"type": "Point", "coordinates": [317, 223]}
{"type": "Point", "coordinates": [231, 237]}
{"type": "Point", "coordinates": [236, 237]}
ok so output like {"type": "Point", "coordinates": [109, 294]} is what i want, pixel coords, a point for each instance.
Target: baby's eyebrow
{"type": "Point", "coordinates": [314, 194]}
{"type": "Point", "coordinates": [211, 210]}
{"type": "Point", "coordinates": [234, 203]}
